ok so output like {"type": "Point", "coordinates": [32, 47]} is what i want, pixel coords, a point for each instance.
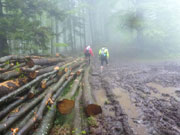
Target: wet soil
{"type": "Point", "coordinates": [137, 99]}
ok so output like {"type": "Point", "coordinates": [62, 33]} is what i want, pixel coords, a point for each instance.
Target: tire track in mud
{"type": "Point", "coordinates": [119, 114]}
{"type": "Point", "coordinates": [113, 121]}
{"type": "Point", "coordinates": [153, 89]}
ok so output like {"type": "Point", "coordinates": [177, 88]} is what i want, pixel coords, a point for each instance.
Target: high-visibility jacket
{"type": "Point", "coordinates": [104, 52]}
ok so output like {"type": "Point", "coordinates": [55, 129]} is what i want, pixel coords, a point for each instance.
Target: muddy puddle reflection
{"type": "Point", "coordinates": [169, 91]}
{"type": "Point", "coordinates": [130, 109]}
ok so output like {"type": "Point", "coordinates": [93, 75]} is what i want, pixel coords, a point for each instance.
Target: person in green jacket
{"type": "Point", "coordinates": [104, 56]}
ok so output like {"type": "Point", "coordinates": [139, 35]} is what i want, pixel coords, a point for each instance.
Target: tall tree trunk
{"type": "Point", "coordinates": [84, 26]}
{"type": "Point", "coordinates": [52, 38]}
{"type": "Point", "coordinates": [57, 33]}
{"type": "Point", "coordinates": [3, 38]}
{"type": "Point", "coordinates": [74, 34]}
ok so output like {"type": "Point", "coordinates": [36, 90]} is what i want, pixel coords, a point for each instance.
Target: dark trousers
{"type": "Point", "coordinates": [88, 57]}
{"type": "Point", "coordinates": [103, 59]}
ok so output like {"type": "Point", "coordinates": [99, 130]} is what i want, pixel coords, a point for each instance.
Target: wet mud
{"type": "Point", "coordinates": [137, 99]}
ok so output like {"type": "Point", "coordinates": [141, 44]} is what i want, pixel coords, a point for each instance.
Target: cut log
{"type": "Point", "coordinates": [10, 107]}
{"type": "Point", "coordinates": [70, 66]}
{"type": "Point", "coordinates": [6, 68]}
{"type": "Point", "coordinates": [21, 113]}
{"type": "Point", "coordinates": [91, 108]}
{"type": "Point", "coordinates": [34, 68]}
{"type": "Point", "coordinates": [10, 74]}
{"type": "Point", "coordinates": [2, 65]}
{"type": "Point", "coordinates": [20, 59]}
{"type": "Point", "coordinates": [77, 118]}
{"type": "Point", "coordinates": [18, 66]}
{"type": "Point", "coordinates": [11, 85]}
{"type": "Point", "coordinates": [58, 93]}
{"type": "Point", "coordinates": [47, 122]}
{"type": "Point", "coordinates": [35, 91]}
{"type": "Point", "coordinates": [42, 108]}
{"type": "Point", "coordinates": [48, 61]}
{"type": "Point", "coordinates": [20, 124]}
{"type": "Point", "coordinates": [24, 88]}
{"type": "Point", "coordinates": [44, 85]}
{"type": "Point", "coordinates": [32, 92]}
{"type": "Point", "coordinates": [66, 104]}
{"type": "Point", "coordinates": [30, 74]}
{"type": "Point", "coordinates": [51, 68]}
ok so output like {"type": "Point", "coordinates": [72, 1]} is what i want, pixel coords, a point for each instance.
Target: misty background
{"type": "Point", "coordinates": [128, 28]}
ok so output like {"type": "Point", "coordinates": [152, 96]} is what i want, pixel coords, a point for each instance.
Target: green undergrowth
{"type": "Point", "coordinates": [67, 88]}
{"type": "Point", "coordinates": [92, 121]}
{"type": "Point", "coordinates": [63, 121]}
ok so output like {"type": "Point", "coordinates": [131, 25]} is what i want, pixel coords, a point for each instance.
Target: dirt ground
{"type": "Point", "coordinates": [137, 98]}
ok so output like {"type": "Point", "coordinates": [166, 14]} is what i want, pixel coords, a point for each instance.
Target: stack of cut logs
{"type": "Point", "coordinates": [31, 90]}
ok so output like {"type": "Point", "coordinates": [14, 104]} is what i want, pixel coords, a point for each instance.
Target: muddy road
{"type": "Point", "coordinates": [137, 99]}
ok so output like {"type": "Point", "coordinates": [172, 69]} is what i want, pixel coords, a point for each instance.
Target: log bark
{"type": "Point", "coordinates": [8, 75]}
{"type": "Point", "coordinates": [77, 117]}
{"type": "Point", "coordinates": [6, 68]}
{"type": "Point", "coordinates": [43, 84]}
{"type": "Point", "coordinates": [24, 88]}
{"type": "Point", "coordinates": [48, 61]}
{"type": "Point", "coordinates": [91, 108]}
{"type": "Point", "coordinates": [18, 66]}
{"type": "Point", "coordinates": [51, 68]}
{"type": "Point", "coordinates": [35, 91]}
{"type": "Point", "coordinates": [66, 104]}
{"type": "Point", "coordinates": [10, 107]}
{"type": "Point", "coordinates": [34, 68]}
{"type": "Point", "coordinates": [30, 74]}
{"type": "Point", "coordinates": [21, 113]}
{"type": "Point", "coordinates": [42, 108]}
{"type": "Point", "coordinates": [47, 122]}
{"type": "Point", "coordinates": [11, 85]}
{"type": "Point", "coordinates": [2, 65]}
{"type": "Point", "coordinates": [20, 124]}
{"type": "Point", "coordinates": [20, 59]}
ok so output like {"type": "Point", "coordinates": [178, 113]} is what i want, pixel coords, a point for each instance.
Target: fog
{"type": "Point", "coordinates": [138, 28]}
{"type": "Point", "coordinates": [128, 28]}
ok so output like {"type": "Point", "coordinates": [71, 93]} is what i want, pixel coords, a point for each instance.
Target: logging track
{"type": "Point", "coordinates": [137, 98]}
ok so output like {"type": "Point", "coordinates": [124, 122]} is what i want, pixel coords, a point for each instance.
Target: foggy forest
{"type": "Point", "coordinates": [89, 67]}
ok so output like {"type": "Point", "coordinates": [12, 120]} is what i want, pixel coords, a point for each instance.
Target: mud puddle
{"type": "Point", "coordinates": [131, 110]}
{"type": "Point", "coordinates": [163, 92]}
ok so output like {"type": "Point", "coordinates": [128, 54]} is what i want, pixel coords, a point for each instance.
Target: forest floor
{"type": "Point", "coordinates": [137, 98]}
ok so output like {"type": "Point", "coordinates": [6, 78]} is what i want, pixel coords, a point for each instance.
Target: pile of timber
{"type": "Point", "coordinates": [31, 90]}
